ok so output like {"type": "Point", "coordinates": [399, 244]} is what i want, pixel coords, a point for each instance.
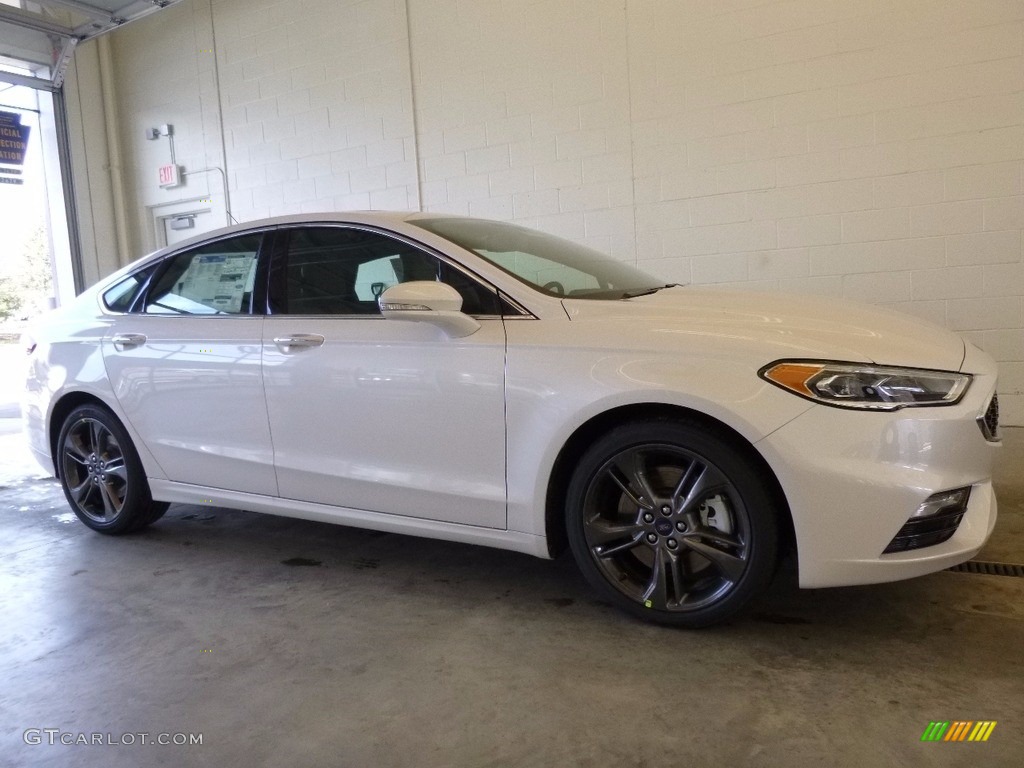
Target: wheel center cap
{"type": "Point", "coordinates": [663, 526]}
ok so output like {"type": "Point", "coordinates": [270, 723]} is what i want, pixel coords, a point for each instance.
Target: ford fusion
{"type": "Point", "coordinates": [484, 383]}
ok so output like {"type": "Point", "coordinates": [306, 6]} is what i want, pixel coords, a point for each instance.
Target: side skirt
{"type": "Point", "coordinates": [183, 493]}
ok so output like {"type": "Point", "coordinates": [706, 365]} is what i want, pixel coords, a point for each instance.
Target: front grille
{"type": "Point", "coordinates": [989, 423]}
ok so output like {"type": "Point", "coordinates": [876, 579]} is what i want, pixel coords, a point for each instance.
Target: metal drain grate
{"type": "Point", "coordinates": [989, 569]}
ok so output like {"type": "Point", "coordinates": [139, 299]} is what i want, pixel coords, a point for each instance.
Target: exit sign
{"type": "Point", "coordinates": [170, 175]}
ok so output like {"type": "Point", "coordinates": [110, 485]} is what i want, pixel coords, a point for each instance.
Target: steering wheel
{"type": "Point", "coordinates": [555, 287]}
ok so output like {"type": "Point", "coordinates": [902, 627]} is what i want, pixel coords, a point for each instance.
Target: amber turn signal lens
{"type": "Point", "coordinates": [794, 376]}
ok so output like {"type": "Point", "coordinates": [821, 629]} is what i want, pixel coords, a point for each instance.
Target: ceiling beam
{"type": "Point", "coordinates": [85, 9]}
{"type": "Point", "coordinates": [64, 39]}
{"type": "Point", "coordinates": [33, 21]}
{"type": "Point", "coordinates": [94, 29]}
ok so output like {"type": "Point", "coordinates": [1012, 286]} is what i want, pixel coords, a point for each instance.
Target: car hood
{"type": "Point", "coordinates": [782, 325]}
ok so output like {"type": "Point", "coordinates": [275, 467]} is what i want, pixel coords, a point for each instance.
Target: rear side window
{"type": "Point", "coordinates": [214, 279]}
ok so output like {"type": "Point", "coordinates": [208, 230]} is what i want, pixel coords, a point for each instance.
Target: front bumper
{"type": "Point", "coordinates": [853, 478]}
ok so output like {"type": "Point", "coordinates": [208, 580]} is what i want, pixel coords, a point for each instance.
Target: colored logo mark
{"type": "Point", "coordinates": [959, 730]}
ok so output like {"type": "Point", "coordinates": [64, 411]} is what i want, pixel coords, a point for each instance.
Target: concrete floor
{"type": "Point", "coordinates": [395, 651]}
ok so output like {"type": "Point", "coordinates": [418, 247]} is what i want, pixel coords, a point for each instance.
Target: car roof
{"type": "Point", "coordinates": [372, 218]}
{"type": "Point", "coordinates": [390, 220]}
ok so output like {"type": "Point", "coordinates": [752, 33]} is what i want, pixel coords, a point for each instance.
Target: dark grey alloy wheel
{"type": "Point", "coordinates": [672, 521]}
{"type": "Point", "coordinates": [101, 474]}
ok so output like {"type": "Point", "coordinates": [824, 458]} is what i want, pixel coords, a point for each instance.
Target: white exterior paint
{"type": "Point", "coordinates": [409, 421]}
{"type": "Point", "coordinates": [425, 453]}
{"type": "Point", "coordinates": [196, 385]}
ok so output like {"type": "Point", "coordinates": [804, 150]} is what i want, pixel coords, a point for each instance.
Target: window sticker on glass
{"type": "Point", "coordinates": [217, 279]}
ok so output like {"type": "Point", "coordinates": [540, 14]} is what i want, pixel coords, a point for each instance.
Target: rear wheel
{"type": "Point", "coordinates": [101, 474]}
{"type": "Point", "coordinates": [672, 521]}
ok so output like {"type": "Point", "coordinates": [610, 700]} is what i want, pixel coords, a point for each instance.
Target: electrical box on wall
{"type": "Point", "coordinates": [170, 175]}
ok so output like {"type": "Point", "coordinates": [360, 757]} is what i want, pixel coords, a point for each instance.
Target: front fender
{"type": "Point", "coordinates": [552, 391]}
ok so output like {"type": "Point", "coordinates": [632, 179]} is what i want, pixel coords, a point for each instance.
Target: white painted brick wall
{"type": "Point", "coordinates": [861, 148]}
{"type": "Point", "coordinates": [897, 180]}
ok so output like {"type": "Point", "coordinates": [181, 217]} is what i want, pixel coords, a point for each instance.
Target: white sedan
{"type": "Point", "coordinates": [484, 383]}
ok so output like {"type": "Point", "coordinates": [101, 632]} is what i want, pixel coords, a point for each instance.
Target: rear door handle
{"type": "Point", "coordinates": [298, 341]}
{"type": "Point", "coordinates": [128, 340]}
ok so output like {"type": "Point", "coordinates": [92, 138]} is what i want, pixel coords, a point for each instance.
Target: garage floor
{"type": "Point", "coordinates": [286, 643]}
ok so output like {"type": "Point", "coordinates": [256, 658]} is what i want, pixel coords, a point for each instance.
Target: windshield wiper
{"type": "Point", "coordinates": [647, 291]}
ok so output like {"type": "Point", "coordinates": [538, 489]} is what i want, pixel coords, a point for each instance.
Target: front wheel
{"type": "Point", "coordinates": [672, 521]}
{"type": "Point", "coordinates": [101, 474]}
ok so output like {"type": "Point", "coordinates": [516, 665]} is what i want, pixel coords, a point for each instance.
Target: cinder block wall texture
{"type": "Point", "coordinates": [870, 149]}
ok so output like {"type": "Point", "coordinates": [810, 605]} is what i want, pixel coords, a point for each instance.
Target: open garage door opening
{"type": "Point", "coordinates": [36, 265]}
{"type": "Point", "coordinates": [41, 265]}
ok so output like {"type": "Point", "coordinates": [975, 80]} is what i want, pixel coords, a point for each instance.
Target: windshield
{"type": "Point", "coordinates": [550, 264]}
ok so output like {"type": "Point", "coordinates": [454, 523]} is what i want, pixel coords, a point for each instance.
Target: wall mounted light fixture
{"type": "Point", "coordinates": [155, 133]}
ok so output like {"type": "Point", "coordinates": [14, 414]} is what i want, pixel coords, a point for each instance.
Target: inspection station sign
{"type": "Point", "coordinates": [13, 144]}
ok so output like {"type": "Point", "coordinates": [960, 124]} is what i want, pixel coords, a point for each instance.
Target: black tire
{"type": "Point", "coordinates": [101, 474]}
{"type": "Point", "coordinates": [672, 521]}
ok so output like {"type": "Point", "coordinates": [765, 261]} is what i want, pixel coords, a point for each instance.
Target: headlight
{"type": "Point", "coordinates": [866, 386]}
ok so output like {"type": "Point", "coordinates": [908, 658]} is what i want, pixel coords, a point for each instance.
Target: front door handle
{"type": "Point", "coordinates": [128, 340]}
{"type": "Point", "coordinates": [298, 341]}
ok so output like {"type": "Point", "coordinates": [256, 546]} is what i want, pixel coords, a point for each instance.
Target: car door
{"type": "Point", "coordinates": [185, 366]}
{"type": "Point", "coordinates": [375, 414]}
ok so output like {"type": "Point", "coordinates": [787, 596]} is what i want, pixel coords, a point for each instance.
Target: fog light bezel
{"type": "Point", "coordinates": [935, 521]}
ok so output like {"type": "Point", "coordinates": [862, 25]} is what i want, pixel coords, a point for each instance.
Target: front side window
{"type": "Point", "coordinates": [121, 296]}
{"type": "Point", "coordinates": [214, 279]}
{"type": "Point", "coordinates": [343, 271]}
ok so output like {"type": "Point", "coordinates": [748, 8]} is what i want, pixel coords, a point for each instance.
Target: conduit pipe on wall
{"type": "Point", "coordinates": [113, 151]}
{"type": "Point", "coordinates": [224, 186]}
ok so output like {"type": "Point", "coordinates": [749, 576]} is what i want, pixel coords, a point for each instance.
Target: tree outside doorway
{"type": "Point", "coordinates": [26, 284]}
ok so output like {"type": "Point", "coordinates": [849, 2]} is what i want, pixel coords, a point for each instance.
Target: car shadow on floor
{"type": "Point", "coordinates": [326, 558]}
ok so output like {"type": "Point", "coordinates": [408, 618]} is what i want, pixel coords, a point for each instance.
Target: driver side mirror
{"type": "Point", "coordinates": [428, 301]}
